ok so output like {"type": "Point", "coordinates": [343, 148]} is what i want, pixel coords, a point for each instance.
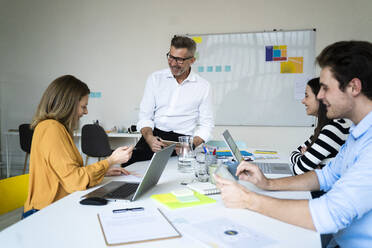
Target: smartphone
{"type": "Point", "coordinates": [223, 172]}
{"type": "Point", "coordinates": [170, 142]}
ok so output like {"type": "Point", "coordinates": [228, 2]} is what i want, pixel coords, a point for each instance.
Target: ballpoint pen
{"type": "Point", "coordinates": [205, 149]}
{"type": "Point", "coordinates": [128, 209]}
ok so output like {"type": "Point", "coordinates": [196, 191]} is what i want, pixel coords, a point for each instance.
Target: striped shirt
{"type": "Point", "coordinates": [330, 139]}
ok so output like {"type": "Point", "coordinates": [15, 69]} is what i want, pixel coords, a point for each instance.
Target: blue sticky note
{"type": "Point", "coordinates": [209, 68]}
{"type": "Point", "coordinates": [269, 53]}
{"type": "Point", "coordinates": [218, 68]}
{"type": "Point", "coordinates": [277, 53]}
{"type": "Point", "coordinates": [200, 68]}
{"type": "Point", "coordinates": [95, 94]}
{"type": "Point", "coordinates": [227, 68]}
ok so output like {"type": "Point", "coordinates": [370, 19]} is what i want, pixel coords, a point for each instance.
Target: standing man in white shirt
{"type": "Point", "coordinates": [176, 102]}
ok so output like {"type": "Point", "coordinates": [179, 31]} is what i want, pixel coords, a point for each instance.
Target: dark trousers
{"type": "Point", "coordinates": [143, 151]}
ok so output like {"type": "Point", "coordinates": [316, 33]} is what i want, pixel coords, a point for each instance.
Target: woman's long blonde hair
{"type": "Point", "coordinates": [60, 102]}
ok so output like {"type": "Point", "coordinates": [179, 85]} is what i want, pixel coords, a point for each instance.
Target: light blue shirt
{"type": "Point", "coordinates": [346, 208]}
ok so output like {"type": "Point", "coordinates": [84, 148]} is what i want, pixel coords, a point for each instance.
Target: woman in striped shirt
{"type": "Point", "coordinates": [329, 135]}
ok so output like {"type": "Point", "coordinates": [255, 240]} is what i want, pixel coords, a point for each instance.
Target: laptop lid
{"type": "Point", "coordinates": [232, 145]}
{"type": "Point", "coordinates": [156, 167]}
{"type": "Point", "coordinates": [272, 168]}
{"type": "Point", "coordinates": [151, 177]}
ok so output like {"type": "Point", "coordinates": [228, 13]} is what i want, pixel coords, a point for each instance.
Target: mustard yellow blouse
{"type": "Point", "coordinates": [56, 166]}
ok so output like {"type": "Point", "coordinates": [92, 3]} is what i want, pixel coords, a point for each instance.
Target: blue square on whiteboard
{"type": "Point", "coordinates": [209, 68]}
{"type": "Point", "coordinates": [227, 68]}
{"type": "Point", "coordinates": [218, 68]}
{"type": "Point", "coordinates": [277, 53]}
{"type": "Point", "coordinates": [95, 94]}
{"type": "Point", "coordinates": [200, 68]}
{"type": "Point", "coordinates": [269, 53]}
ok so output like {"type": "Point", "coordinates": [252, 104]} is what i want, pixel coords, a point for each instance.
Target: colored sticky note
{"type": "Point", "coordinates": [284, 53]}
{"type": "Point", "coordinates": [209, 68]}
{"type": "Point", "coordinates": [227, 68]}
{"type": "Point", "coordinates": [269, 53]}
{"type": "Point", "coordinates": [218, 68]}
{"type": "Point", "coordinates": [293, 65]}
{"type": "Point", "coordinates": [276, 53]}
{"type": "Point", "coordinates": [200, 68]}
{"type": "Point", "coordinates": [170, 201]}
{"type": "Point", "coordinates": [95, 94]}
{"type": "Point", "coordinates": [197, 39]}
{"type": "Point", "coordinates": [279, 58]}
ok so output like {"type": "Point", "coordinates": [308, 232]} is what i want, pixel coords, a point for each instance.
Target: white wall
{"type": "Point", "coordinates": [114, 45]}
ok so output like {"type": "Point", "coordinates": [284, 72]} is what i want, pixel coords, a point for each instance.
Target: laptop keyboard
{"type": "Point", "coordinates": [123, 191]}
{"type": "Point", "coordinates": [265, 167]}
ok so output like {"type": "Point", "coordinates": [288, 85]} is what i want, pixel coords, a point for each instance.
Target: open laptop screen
{"type": "Point", "coordinates": [232, 145]}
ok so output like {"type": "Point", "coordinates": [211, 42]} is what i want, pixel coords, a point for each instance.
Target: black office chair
{"type": "Point", "coordinates": [25, 139]}
{"type": "Point", "coordinates": [94, 142]}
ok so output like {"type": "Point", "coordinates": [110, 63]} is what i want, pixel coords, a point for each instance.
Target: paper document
{"type": "Point", "coordinates": [227, 233]}
{"type": "Point", "coordinates": [136, 226]}
{"type": "Point", "coordinates": [215, 231]}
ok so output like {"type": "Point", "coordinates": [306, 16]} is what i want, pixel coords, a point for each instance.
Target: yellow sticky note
{"type": "Point", "coordinates": [293, 65]}
{"type": "Point", "coordinates": [197, 39]}
{"type": "Point", "coordinates": [167, 198]}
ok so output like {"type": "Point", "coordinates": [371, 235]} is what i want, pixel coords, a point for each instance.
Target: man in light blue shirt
{"type": "Point", "coordinates": [346, 209]}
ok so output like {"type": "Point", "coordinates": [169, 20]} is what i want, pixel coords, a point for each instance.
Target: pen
{"type": "Point", "coordinates": [128, 209]}
{"type": "Point", "coordinates": [205, 149]}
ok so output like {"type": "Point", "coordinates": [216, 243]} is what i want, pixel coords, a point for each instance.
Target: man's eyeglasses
{"type": "Point", "coordinates": [177, 59]}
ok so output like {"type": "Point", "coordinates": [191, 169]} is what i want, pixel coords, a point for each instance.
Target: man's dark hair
{"type": "Point", "coordinates": [348, 60]}
{"type": "Point", "coordinates": [184, 42]}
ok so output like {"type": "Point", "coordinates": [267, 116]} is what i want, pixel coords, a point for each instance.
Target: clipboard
{"type": "Point", "coordinates": [114, 235]}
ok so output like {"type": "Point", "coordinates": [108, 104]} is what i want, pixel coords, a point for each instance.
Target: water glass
{"type": "Point", "coordinates": [186, 157]}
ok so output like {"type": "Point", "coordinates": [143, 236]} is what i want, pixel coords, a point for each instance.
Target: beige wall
{"type": "Point", "coordinates": [114, 45]}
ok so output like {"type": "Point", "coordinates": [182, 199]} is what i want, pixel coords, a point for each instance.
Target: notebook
{"type": "Point", "coordinates": [204, 188]}
{"type": "Point", "coordinates": [268, 168]}
{"type": "Point", "coordinates": [131, 191]}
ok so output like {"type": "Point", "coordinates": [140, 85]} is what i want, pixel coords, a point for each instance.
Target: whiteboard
{"type": "Point", "coordinates": [257, 78]}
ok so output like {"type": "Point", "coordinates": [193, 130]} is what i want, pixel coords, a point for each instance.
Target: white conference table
{"type": "Point", "coordinates": [66, 223]}
{"type": "Point", "coordinates": [134, 136]}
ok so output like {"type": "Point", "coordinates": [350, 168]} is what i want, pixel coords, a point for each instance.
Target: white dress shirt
{"type": "Point", "coordinates": [184, 108]}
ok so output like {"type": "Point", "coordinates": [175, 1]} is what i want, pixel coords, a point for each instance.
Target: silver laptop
{"type": "Point", "coordinates": [131, 191]}
{"type": "Point", "coordinates": [267, 168]}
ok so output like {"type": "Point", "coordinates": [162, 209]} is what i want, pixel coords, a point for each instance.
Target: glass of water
{"type": "Point", "coordinates": [186, 157]}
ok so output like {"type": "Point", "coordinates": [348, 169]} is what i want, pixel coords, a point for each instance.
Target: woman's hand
{"type": "Point", "coordinates": [303, 149]}
{"type": "Point", "coordinates": [120, 155]}
{"type": "Point", "coordinates": [116, 171]}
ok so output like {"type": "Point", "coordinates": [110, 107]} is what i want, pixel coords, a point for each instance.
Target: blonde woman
{"type": "Point", "coordinates": [56, 166]}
